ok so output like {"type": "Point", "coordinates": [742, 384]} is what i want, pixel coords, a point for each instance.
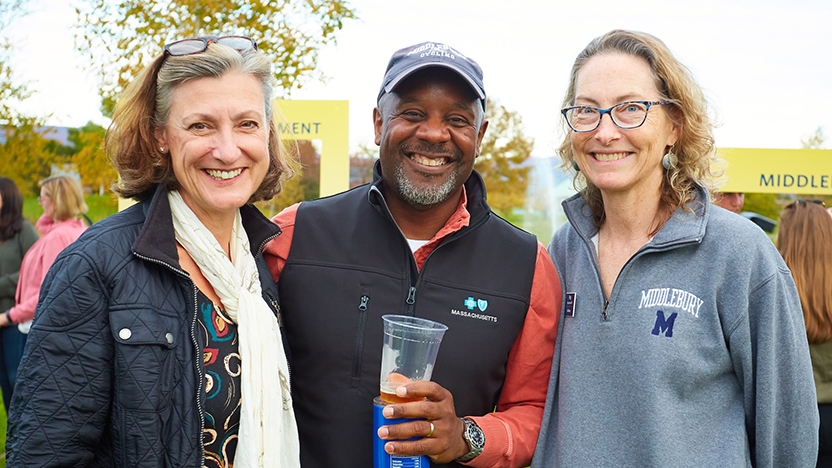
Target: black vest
{"type": "Point", "coordinates": [349, 264]}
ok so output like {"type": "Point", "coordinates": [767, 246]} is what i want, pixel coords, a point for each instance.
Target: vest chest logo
{"type": "Point", "coordinates": [481, 304]}
{"type": "Point", "coordinates": [473, 305]}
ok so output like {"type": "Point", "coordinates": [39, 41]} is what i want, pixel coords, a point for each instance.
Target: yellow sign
{"type": "Point", "coordinates": [327, 121]}
{"type": "Point", "coordinates": [798, 171]}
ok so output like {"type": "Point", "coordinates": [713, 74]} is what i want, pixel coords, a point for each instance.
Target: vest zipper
{"type": "Point", "coordinates": [410, 309]}
{"type": "Point", "coordinates": [359, 336]}
{"type": "Point", "coordinates": [411, 300]}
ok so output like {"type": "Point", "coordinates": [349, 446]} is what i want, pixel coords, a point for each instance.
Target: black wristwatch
{"type": "Point", "coordinates": [475, 438]}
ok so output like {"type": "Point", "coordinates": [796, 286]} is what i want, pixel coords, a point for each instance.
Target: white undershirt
{"type": "Point", "coordinates": [415, 244]}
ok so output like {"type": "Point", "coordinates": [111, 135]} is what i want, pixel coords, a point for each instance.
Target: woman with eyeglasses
{"type": "Point", "coordinates": [804, 239]}
{"type": "Point", "coordinates": [17, 235]}
{"type": "Point", "coordinates": [157, 341]}
{"type": "Point", "coordinates": [682, 340]}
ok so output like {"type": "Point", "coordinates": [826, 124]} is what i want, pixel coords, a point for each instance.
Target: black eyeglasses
{"type": "Point", "coordinates": [626, 115]}
{"type": "Point", "coordinates": [198, 45]}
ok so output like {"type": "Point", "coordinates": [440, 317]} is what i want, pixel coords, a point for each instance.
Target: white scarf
{"type": "Point", "coordinates": [268, 434]}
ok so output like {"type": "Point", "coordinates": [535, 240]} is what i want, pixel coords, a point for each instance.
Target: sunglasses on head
{"type": "Point", "coordinates": [805, 201]}
{"type": "Point", "coordinates": [199, 45]}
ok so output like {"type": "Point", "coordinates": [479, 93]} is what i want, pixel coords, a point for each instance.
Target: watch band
{"type": "Point", "coordinates": [475, 438]}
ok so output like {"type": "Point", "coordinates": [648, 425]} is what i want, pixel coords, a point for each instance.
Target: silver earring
{"type": "Point", "coordinates": [669, 160]}
{"type": "Point", "coordinates": [162, 149]}
{"type": "Point", "coordinates": [575, 165]}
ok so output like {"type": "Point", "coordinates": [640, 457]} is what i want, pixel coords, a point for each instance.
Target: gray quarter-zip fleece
{"type": "Point", "coordinates": [698, 358]}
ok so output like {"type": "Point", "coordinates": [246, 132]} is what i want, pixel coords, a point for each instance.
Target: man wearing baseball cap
{"type": "Point", "coordinates": [419, 240]}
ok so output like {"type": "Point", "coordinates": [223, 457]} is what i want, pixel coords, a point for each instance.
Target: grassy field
{"type": "Point", "coordinates": [3, 436]}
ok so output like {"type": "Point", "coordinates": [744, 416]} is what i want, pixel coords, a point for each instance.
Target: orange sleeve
{"type": "Point", "coordinates": [277, 250]}
{"type": "Point", "coordinates": [511, 432]}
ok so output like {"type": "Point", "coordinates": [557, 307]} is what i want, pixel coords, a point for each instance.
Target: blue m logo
{"type": "Point", "coordinates": [664, 324]}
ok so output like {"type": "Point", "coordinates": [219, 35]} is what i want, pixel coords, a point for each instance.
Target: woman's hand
{"type": "Point", "coordinates": [4, 320]}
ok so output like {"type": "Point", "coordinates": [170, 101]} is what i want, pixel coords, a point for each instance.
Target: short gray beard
{"type": "Point", "coordinates": [424, 196]}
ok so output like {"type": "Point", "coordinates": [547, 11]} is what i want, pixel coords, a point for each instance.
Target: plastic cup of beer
{"type": "Point", "coordinates": [409, 353]}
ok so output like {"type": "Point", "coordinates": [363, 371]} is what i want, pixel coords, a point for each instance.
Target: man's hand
{"type": "Point", "coordinates": [445, 444]}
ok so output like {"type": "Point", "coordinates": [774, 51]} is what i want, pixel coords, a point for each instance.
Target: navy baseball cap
{"type": "Point", "coordinates": [405, 62]}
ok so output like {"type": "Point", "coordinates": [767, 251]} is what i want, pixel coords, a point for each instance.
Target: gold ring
{"type": "Point", "coordinates": [431, 429]}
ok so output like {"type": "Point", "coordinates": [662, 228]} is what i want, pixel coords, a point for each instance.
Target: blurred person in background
{"type": "Point", "coordinates": [63, 202]}
{"type": "Point", "coordinates": [805, 241]}
{"type": "Point", "coordinates": [731, 201]}
{"type": "Point", "coordinates": [156, 342]}
{"type": "Point", "coordinates": [60, 224]}
{"type": "Point", "coordinates": [682, 340]}
{"type": "Point", "coordinates": [17, 235]}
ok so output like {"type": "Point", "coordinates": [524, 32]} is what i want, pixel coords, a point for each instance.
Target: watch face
{"type": "Point", "coordinates": [477, 437]}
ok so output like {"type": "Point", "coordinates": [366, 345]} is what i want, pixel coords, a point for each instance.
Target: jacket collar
{"type": "Point", "coordinates": [683, 226]}
{"type": "Point", "coordinates": [157, 240]}
{"type": "Point", "coordinates": [474, 189]}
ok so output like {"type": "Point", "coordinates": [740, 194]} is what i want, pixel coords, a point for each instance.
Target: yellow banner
{"type": "Point", "coordinates": [327, 121]}
{"type": "Point", "coordinates": [759, 170]}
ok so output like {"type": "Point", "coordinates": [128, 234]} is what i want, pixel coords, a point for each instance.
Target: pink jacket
{"type": "Point", "coordinates": [38, 259]}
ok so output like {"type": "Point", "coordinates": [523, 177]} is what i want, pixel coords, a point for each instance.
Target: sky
{"type": "Point", "coordinates": [765, 65]}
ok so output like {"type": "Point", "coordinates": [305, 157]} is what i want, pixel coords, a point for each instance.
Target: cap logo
{"type": "Point", "coordinates": [437, 50]}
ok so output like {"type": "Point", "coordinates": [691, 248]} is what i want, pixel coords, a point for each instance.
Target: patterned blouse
{"type": "Point", "coordinates": [221, 360]}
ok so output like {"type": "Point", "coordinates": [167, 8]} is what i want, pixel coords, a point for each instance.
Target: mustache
{"type": "Point", "coordinates": [431, 150]}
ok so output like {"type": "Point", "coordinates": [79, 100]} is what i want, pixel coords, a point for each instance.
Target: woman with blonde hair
{"type": "Point", "coordinates": [60, 225]}
{"type": "Point", "coordinates": [804, 239]}
{"type": "Point", "coordinates": [63, 204]}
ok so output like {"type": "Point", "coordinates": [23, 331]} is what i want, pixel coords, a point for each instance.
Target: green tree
{"type": "Point", "coordinates": [765, 204]}
{"type": "Point", "coordinates": [24, 156]}
{"type": "Point", "coordinates": [121, 37]}
{"type": "Point", "coordinates": [24, 153]}
{"type": "Point", "coordinates": [504, 150]}
{"type": "Point", "coordinates": [89, 158]}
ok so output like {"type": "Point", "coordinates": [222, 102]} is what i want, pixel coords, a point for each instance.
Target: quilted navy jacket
{"type": "Point", "coordinates": [112, 371]}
